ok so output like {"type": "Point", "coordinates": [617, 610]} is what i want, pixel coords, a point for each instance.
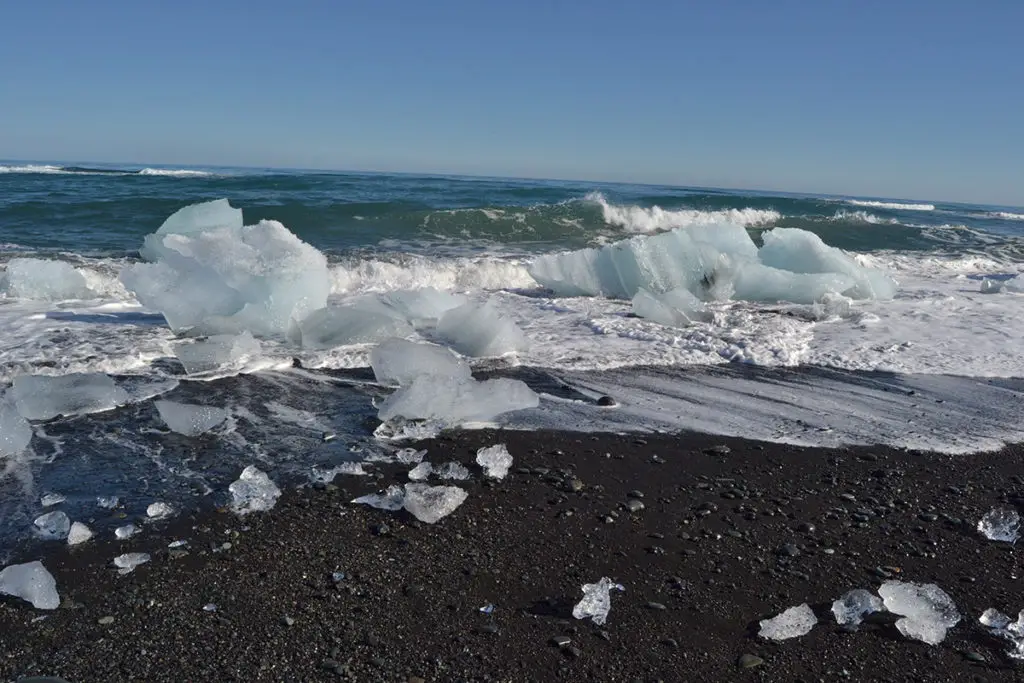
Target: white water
{"type": "Point", "coordinates": [896, 206]}
{"type": "Point", "coordinates": [641, 220]}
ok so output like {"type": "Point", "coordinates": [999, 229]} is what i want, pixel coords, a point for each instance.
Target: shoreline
{"type": "Point", "coordinates": [723, 540]}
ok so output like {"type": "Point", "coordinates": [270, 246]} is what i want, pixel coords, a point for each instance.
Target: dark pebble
{"type": "Point", "coordinates": [561, 641]}
{"type": "Point", "coordinates": [749, 661]}
{"type": "Point", "coordinates": [788, 550]}
{"type": "Point", "coordinates": [657, 606]}
{"type": "Point", "coordinates": [634, 505]}
{"type": "Point", "coordinates": [720, 449]}
{"type": "Point", "coordinates": [606, 401]}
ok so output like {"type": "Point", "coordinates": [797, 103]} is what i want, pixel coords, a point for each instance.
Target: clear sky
{"type": "Point", "coordinates": [901, 98]}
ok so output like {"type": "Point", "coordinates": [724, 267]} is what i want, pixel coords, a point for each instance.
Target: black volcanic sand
{"type": "Point", "coordinates": [723, 540]}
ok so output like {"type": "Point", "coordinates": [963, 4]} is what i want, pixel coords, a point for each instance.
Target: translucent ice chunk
{"type": "Point", "coordinates": [452, 401]}
{"type": "Point", "coordinates": [793, 623]}
{"type": "Point", "coordinates": [40, 397]}
{"type": "Point", "coordinates": [399, 362]}
{"type": "Point", "coordinates": [993, 618]}
{"type": "Point", "coordinates": [421, 471]}
{"type": "Point", "coordinates": [125, 532]}
{"type": "Point", "coordinates": [79, 533]}
{"type": "Point", "coordinates": [758, 282]}
{"type": "Point", "coordinates": [32, 583]}
{"type": "Point", "coordinates": [129, 561]}
{"type": "Point", "coordinates": [216, 352]}
{"type": "Point", "coordinates": [159, 511]}
{"type": "Point", "coordinates": [1002, 626]}
{"type": "Point", "coordinates": [48, 280]}
{"type": "Point", "coordinates": [597, 601]}
{"type": "Point", "coordinates": [990, 286]}
{"type": "Point", "coordinates": [188, 419]}
{"type": "Point", "coordinates": [830, 306]}
{"type": "Point", "coordinates": [15, 431]}
{"type": "Point", "coordinates": [344, 325]}
{"type": "Point", "coordinates": [1000, 524]}
{"type": "Point", "coordinates": [326, 476]}
{"type": "Point", "coordinates": [108, 502]}
{"type": "Point", "coordinates": [213, 274]}
{"type": "Point", "coordinates": [496, 460]}
{"type": "Point", "coordinates": [451, 470]}
{"type": "Point", "coordinates": [479, 330]}
{"type": "Point", "coordinates": [851, 609]}
{"type": "Point", "coordinates": [392, 499]}
{"type": "Point", "coordinates": [409, 456]}
{"type": "Point", "coordinates": [928, 612]}
{"type": "Point", "coordinates": [51, 499]}
{"type": "Point", "coordinates": [420, 306]}
{"type": "Point", "coordinates": [53, 526]}
{"type": "Point", "coordinates": [1015, 285]}
{"type": "Point", "coordinates": [675, 308]}
{"type": "Point", "coordinates": [431, 503]}
{"type": "Point", "coordinates": [253, 491]}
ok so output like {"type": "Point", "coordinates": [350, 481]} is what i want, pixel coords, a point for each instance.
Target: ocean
{"type": "Point", "coordinates": [937, 367]}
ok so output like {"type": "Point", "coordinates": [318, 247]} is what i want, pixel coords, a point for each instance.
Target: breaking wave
{"type": "Point", "coordinates": [639, 219]}
{"type": "Point", "coordinates": [53, 169]}
{"type": "Point", "coordinates": [1006, 215]}
{"type": "Point", "coordinates": [895, 206]}
{"type": "Point", "coordinates": [174, 173]}
{"type": "Point", "coordinates": [406, 271]}
{"type": "Point", "coordinates": [862, 217]}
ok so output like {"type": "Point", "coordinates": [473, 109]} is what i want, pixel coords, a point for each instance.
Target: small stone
{"type": "Point", "coordinates": [749, 661]}
{"type": "Point", "coordinates": [573, 652]}
{"type": "Point", "coordinates": [287, 621]}
{"type": "Point", "coordinates": [974, 657]}
{"type": "Point", "coordinates": [574, 485]}
{"type": "Point", "coordinates": [670, 642]}
{"type": "Point", "coordinates": [635, 494]}
{"type": "Point", "coordinates": [656, 606]}
{"type": "Point", "coordinates": [848, 497]}
{"type": "Point", "coordinates": [634, 505]}
{"type": "Point", "coordinates": [380, 530]}
{"type": "Point", "coordinates": [106, 621]}
{"type": "Point", "coordinates": [415, 679]}
{"type": "Point", "coordinates": [606, 401]}
{"type": "Point", "coordinates": [561, 641]}
{"type": "Point", "coordinates": [788, 550]}
{"type": "Point", "coordinates": [806, 528]}
{"type": "Point", "coordinates": [720, 449]}
{"type": "Point", "coordinates": [489, 628]}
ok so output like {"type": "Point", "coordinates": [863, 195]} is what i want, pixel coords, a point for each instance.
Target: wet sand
{"type": "Point", "coordinates": [724, 539]}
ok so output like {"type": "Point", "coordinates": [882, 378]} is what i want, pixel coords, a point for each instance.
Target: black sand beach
{"type": "Point", "coordinates": [724, 539]}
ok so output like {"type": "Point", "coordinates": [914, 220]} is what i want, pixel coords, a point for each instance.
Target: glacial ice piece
{"type": "Point", "coordinates": [188, 419]}
{"type": "Point", "coordinates": [40, 397]}
{"type": "Point", "coordinates": [53, 526]}
{"type": "Point", "coordinates": [409, 456]}
{"type": "Point", "coordinates": [392, 499]}
{"type": "Point", "coordinates": [793, 623]}
{"type": "Point", "coordinates": [1002, 626]}
{"type": "Point", "coordinates": [758, 282]}
{"type": "Point", "coordinates": [79, 533]}
{"type": "Point", "coordinates": [990, 286]}
{"type": "Point", "coordinates": [1000, 524]}
{"type": "Point", "coordinates": [123, 533]}
{"type": "Point", "coordinates": [108, 502]}
{"type": "Point", "coordinates": [51, 499]}
{"type": "Point", "coordinates": [32, 583]}
{"type": "Point", "coordinates": [15, 431]}
{"type": "Point", "coordinates": [927, 611]}
{"type": "Point", "coordinates": [127, 562]}
{"type": "Point", "coordinates": [44, 279]}
{"type": "Point", "coordinates": [1015, 285]}
{"type": "Point", "coordinates": [159, 511]}
{"type": "Point", "coordinates": [211, 273]}
{"type": "Point", "coordinates": [854, 605]}
{"type": "Point", "coordinates": [800, 251]}
{"type": "Point", "coordinates": [830, 306]}
{"type": "Point", "coordinates": [421, 471]}
{"type": "Point", "coordinates": [430, 503]}
{"type": "Point", "coordinates": [216, 352]}
{"type": "Point", "coordinates": [421, 306]}
{"type": "Point", "coordinates": [452, 401]}
{"type": "Point", "coordinates": [479, 330]}
{"type": "Point", "coordinates": [335, 326]}
{"type": "Point", "coordinates": [496, 461]}
{"type": "Point", "coordinates": [253, 491]}
{"type": "Point", "coordinates": [326, 476]}
{"type": "Point", "coordinates": [451, 470]}
{"type": "Point", "coordinates": [597, 601]}
{"type": "Point", "coordinates": [399, 362]}
{"type": "Point", "coordinates": [675, 308]}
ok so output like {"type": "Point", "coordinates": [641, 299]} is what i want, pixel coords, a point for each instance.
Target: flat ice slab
{"type": "Point", "coordinates": [42, 397]}
{"type": "Point", "coordinates": [398, 362]}
{"type": "Point", "coordinates": [15, 431]}
{"type": "Point", "coordinates": [453, 401]}
{"type": "Point", "coordinates": [44, 279]}
{"type": "Point", "coordinates": [32, 583]}
{"type": "Point", "coordinates": [188, 419]}
{"type": "Point", "coordinates": [480, 330]}
{"type": "Point", "coordinates": [216, 352]}
{"type": "Point", "coordinates": [793, 623]}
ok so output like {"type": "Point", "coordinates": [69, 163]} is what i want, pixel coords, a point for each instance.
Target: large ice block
{"type": "Point", "coordinates": [452, 401]}
{"type": "Point", "coordinates": [674, 308]}
{"type": "Point", "coordinates": [45, 279]}
{"type": "Point", "coordinates": [422, 306]}
{"type": "Point", "coordinates": [216, 352]}
{"type": "Point", "coordinates": [42, 397]}
{"type": "Point", "coordinates": [399, 362]}
{"type": "Point", "coordinates": [480, 330]}
{"type": "Point", "coordinates": [344, 325]}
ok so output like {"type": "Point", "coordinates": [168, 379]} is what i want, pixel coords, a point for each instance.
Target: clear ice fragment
{"type": "Point", "coordinates": [108, 502]}
{"type": "Point", "coordinates": [41, 397]}
{"type": "Point", "coordinates": [451, 470]}
{"type": "Point", "coordinates": [410, 456]}
{"type": "Point", "coordinates": [453, 401]}
{"type": "Point", "coordinates": [253, 491]}
{"type": "Point", "coordinates": [927, 611]}
{"type": "Point", "coordinates": [854, 605]}
{"type": "Point", "coordinates": [495, 460]}
{"type": "Point", "coordinates": [123, 533]}
{"type": "Point", "coordinates": [1000, 524]}
{"type": "Point", "coordinates": [79, 533]}
{"type": "Point", "coordinates": [44, 279]}
{"type": "Point", "coordinates": [32, 583]}
{"type": "Point", "coordinates": [188, 419]}
{"type": "Point", "coordinates": [159, 511]}
{"type": "Point", "coordinates": [480, 330]}
{"type": "Point", "coordinates": [53, 526]}
{"type": "Point", "coordinates": [217, 352]}
{"type": "Point", "coordinates": [990, 286]}
{"type": "Point", "coordinates": [391, 499]}
{"type": "Point", "coordinates": [398, 362]}
{"type": "Point", "coordinates": [51, 499]}
{"type": "Point", "coordinates": [431, 503]}
{"type": "Point", "coordinates": [1002, 626]}
{"type": "Point", "coordinates": [793, 623]}
{"type": "Point", "coordinates": [421, 471]}
{"type": "Point", "coordinates": [129, 561]}
{"type": "Point", "coordinates": [15, 431]}
{"type": "Point", "coordinates": [597, 601]}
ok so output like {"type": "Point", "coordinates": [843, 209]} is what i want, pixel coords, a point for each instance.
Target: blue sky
{"type": "Point", "coordinates": [904, 99]}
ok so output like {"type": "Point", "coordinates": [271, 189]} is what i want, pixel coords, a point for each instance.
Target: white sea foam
{"type": "Point", "coordinates": [32, 168]}
{"type": "Point", "coordinates": [414, 272]}
{"type": "Point", "coordinates": [895, 206]}
{"type": "Point", "coordinates": [862, 217]}
{"type": "Point", "coordinates": [1006, 215]}
{"type": "Point", "coordinates": [639, 219]}
{"type": "Point", "coordinates": [175, 172]}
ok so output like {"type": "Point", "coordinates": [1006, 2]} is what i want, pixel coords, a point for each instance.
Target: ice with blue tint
{"type": "Point", "coordinates": [480, 330]}
{"type": "Point", "coordinates": [452, 401]}
{"type": "Point", "coordinates": [335, 326]}
{"type": "Point", "coordinates": [15, 431]}
{"type": "Point", "coordinates": [399, 362]}
{"type": "Point", "coordinates": [43, 279]}
{"type": "Point", "coordinates": [42, 397]}
{"type": "Point", "coordinates": [674, 308]}
{"type": "Point", "coordinates": [188, 419]}
{"type": "Point", "coordinates": [217, 352]}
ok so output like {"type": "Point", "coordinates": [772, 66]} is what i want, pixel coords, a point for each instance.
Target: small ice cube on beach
{"type": "Point", "coordinates": [188, 419]}
{"type": "Point", "coordinates": [597, 601]}
{"type": "Point", "coordinates": [480, 330]}
{"type": "Point", "coordinates": [159, 511]}
{"type": "Point", "coordinates": [391, 499]}
{"type": "Point", "coordinates": [410, 456]}
{"type": "Point", "coordinates": [852, 607]}
{"type": "Point", "coordinates": [451, 470]}
{"type": "Point", "coordinates": [793, 623]}
{"type": "Point", "coordinates": [51, 499]}
{"type": "Point", "coordinates": [430, 503]}
{"type": "Point", "coordinates": [79, 533]}
{"type": "Point", "coordinates": [177, 544]}
{"type": "Point", "coordinates": [125, 532]}
{"type": "Point", "coordinates": [421, 471]}
{"type": "Point", "coordinates": [15, 431]}
{"type": "Point", "coordinates": [326, 476]}
{"type": "Point", "coordinates": [1002, 626]}
{"type": "Point", "coordinates": [42, 397]}
{"type": "Point", "coordinates": [399, 362]}
{"type": "Point", "coordinates": [32, 583]}
{"type": "Point", "coordinates": [108, 502]}
{"type": "Point", "coordinates": [53, 525]}
{"type": "Point", "coordinates": [253, 491]}
{"type": "Point", "coordinates": [927, 611]}
{"type": "Point", "coordinates": [1000, 524]}
{"type": "Point", "coordinates": [496, 460]}
{"type": "Point", "coordinates": [129, 561]}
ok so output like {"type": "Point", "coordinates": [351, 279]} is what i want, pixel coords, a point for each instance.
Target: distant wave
{"type": "Point", "coordinates": [1006, 215]}
{"type": "Point", "coordinates": [862, 217]}
{"type": "Point", "coordinates": [51, 169]}
{"type": "Point", "coordinates": [641, 219]}
{"type": "Point", "coordinates": [896, 206]}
